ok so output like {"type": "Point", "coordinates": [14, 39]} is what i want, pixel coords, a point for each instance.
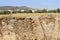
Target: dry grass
{"type": "Point", "coordinates": [38, 29]}
{"type": "Point", "coordinates": [31, 14]}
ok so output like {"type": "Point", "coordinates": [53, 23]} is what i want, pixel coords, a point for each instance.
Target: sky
{"type": "Point", "coordinates": [49, 4]}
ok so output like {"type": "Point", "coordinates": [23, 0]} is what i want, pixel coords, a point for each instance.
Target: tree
{"type": "Point", "coordinates": [44, 11]}
{"type": "Point", "coordinates": [41, 11]}
{"type": "Point", "coordinates": [16, 12]}
{"type": "Point", "coordinates": [51, 11]}
{"type": "Point", "coordinates": [38, 11]}
{"type": "Point", "coordinates": [6, 12]}
{"type": "Point", "coordinates": [58, 10]}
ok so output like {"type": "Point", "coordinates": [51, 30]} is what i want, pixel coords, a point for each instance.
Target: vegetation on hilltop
{"type": "Point", "coordinates": [4, 10]}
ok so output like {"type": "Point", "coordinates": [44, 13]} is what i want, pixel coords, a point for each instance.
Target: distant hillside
{"type": "Point", "coordinates": [14, 8]}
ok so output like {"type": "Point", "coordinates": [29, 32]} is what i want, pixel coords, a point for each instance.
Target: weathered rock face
{"type": "Point", "coordinates": [30, 28]}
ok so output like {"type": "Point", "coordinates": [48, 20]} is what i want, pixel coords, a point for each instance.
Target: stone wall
{"type": "Point", "coordinates": [30, 28]}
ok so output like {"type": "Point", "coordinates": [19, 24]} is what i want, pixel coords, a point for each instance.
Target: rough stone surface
{"type": "Point", "coordinates": [30, 28]}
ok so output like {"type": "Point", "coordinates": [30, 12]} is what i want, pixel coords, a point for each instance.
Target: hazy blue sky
{"type": "Point", "coordinates": [32, 3]}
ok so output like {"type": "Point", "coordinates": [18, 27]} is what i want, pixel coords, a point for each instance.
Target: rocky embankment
{"type": "Point", "coordinates": [30, 28]}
